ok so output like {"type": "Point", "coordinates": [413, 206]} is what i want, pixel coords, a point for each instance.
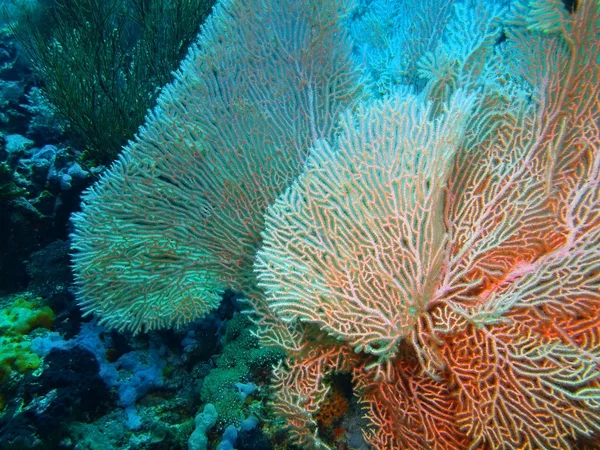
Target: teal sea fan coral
{"type": "Point", "coordinates": [177, 218]}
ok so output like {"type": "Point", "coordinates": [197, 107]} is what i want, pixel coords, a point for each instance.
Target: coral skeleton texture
{"type": "Point", "coordinates": [441, 244]}
{"type": "Point", "coordinates": [177, 218]}
{"type": "Point", "coordinates": [458, 253]}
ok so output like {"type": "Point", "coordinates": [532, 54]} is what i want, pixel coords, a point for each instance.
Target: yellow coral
{"type": "Point", "coordinates": [17, 320]}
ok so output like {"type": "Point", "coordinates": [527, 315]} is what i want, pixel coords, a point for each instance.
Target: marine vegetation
{"type": "Point", "coordinates": [101, 63]}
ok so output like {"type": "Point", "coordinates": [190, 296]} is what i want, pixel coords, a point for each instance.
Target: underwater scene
{"type": "Point", "coordinates": [300, 224]}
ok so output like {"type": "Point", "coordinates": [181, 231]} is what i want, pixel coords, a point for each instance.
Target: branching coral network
{"type": "Point", "coordinates": [440, 244]}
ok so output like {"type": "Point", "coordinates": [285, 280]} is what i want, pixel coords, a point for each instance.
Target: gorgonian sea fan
{"type": "Point", "coordinates": [177, 219]}
{"type": "Point", "coordinates": [462, 262]}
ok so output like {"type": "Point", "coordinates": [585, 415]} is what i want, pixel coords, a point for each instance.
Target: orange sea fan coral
{"type": "Point", "coordinates": [462, 264]}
